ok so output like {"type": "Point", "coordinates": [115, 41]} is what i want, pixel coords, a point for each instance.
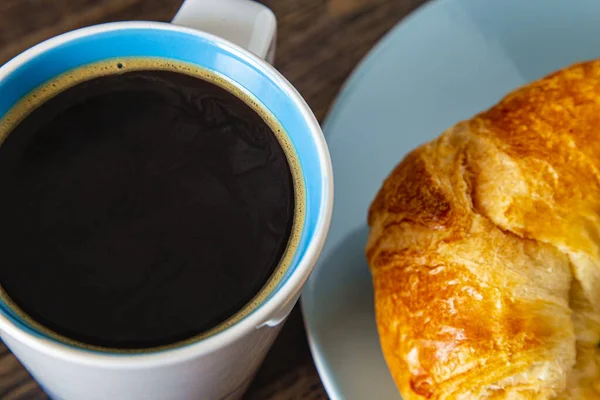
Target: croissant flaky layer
{"type": "Point", "coordinates": [485, 251]}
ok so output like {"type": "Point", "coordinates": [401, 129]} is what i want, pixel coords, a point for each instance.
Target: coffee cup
{"type": "Point", "coordinates": [235, 40]}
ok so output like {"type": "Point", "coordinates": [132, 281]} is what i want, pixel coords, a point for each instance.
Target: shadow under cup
{"type": "Point", "coordinates": [143, 44]}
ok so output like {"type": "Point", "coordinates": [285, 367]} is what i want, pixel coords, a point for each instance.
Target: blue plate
{"type": "Point", "coordinates": [445, 62]}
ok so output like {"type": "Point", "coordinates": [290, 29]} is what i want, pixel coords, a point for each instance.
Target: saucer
{"type": "Point", "coordinates": [444, 63]}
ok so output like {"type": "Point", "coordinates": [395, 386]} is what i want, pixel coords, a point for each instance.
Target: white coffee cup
{"type": "Point", "coordinates": [231, 38]}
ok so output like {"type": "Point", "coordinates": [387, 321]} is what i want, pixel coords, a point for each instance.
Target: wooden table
{"type": "Point", "coordinates": [319, 43]}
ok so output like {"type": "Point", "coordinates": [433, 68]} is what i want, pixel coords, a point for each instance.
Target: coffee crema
{"type": "Point", "coordinates": [145, 203]}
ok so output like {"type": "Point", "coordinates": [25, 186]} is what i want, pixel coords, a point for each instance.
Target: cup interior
{"type": "Point", "coordinates": [52, 58]}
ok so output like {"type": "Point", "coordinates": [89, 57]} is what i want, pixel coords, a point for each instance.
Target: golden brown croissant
{"type": "Point", "coordinates": [485, 251]}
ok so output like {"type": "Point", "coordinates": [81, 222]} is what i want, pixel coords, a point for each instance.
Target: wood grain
{"type": "Point", "coordinates": [319, 44]}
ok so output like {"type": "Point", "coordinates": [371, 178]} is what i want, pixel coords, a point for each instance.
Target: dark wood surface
{"type": "Point", "coordinates": [319, 43]}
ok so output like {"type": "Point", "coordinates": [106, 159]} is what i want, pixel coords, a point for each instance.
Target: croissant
{"type": "Point", "coordinates": [484, 249]}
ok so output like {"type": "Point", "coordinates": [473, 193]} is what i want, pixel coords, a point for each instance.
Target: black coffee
{"type": "Point", "coordinates": [140, 209]}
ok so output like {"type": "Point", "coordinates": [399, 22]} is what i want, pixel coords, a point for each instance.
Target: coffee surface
{"type": "Point", "coordinates": [140, 209]}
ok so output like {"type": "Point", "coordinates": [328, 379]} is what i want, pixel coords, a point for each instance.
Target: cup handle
{"type": "Point", "coordinates": [246, 23]}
